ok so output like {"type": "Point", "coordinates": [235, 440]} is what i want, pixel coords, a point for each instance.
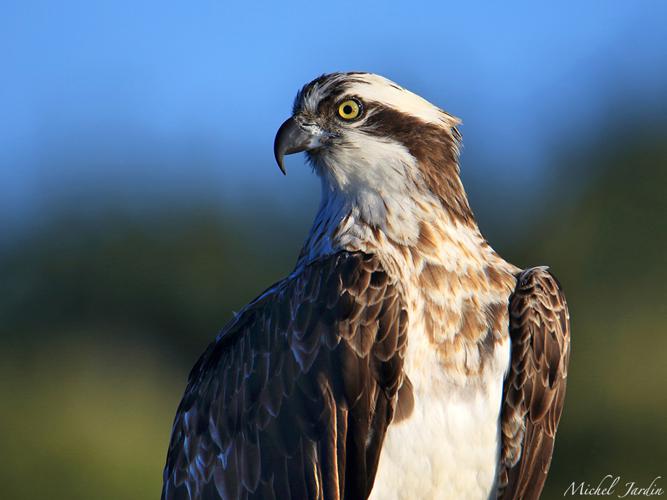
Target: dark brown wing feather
{"type": "Point", "coordinates": [534, 389]}
{"type": "Point", "coordinates": [294, 397]}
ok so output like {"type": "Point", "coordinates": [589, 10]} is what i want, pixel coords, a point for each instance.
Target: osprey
{"type": "Point", "coordinates": [403, 358]}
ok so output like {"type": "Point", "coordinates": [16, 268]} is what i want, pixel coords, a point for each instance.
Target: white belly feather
{"type": "Point", "coordinates": [448, 447]}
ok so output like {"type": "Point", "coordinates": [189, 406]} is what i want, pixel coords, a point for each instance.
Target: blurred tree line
{"type": "Point", "coordinates": [102, 316]}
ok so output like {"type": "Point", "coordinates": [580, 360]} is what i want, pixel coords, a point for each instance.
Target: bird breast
{"type": "Point", "coordinates": [448, 446]}
{"type": "Point", "coordinates": [456, 289]}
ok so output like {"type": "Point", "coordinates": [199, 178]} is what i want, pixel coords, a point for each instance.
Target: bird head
{"type": "Point", "coordinates": [376, 144]}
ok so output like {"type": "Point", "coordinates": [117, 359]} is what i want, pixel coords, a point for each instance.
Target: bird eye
{"type": "Point", "coordinates": [349, 109]}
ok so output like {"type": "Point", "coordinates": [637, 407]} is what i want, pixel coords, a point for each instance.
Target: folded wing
{"type": "Point", "coordinates": [534, 389]}
{"type": "Point", "coordinates": [294, 397]}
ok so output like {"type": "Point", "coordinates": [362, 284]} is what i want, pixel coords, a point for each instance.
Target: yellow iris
{"type": "Point", "coordinates": [349, 109]}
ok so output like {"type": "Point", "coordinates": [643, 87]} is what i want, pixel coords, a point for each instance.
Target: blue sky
{"type": "Point", "coordinates": [150, 100]}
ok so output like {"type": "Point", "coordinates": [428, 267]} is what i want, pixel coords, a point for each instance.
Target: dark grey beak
{"type": "Point", "coordinates": [291, 138]}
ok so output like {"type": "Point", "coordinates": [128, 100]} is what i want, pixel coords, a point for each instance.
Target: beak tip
{"type": "Point", "coordinates": [280, 160]}
{"type": "Point", "coordinates": [291, 138]}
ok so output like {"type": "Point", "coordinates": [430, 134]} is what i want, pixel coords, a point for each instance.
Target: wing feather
{"type": "Point", "coordinates": [534, 389]}
{"type": "Point", "coordinates": [294, 397]}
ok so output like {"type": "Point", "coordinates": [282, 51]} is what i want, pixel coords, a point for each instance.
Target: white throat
{"type": "Point", "coordinates": [368, 187]}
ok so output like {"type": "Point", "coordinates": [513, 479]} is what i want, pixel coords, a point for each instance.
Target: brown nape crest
{"type": "Point", "coordinates": [434, 147]}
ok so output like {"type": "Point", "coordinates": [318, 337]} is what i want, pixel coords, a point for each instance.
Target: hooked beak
{"type": "Point", "coordinates": [293, 138]}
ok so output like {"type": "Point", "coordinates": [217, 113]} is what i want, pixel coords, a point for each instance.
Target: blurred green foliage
{"type": "Point", "coordinates": [607, 243]}
{"type": "Point", "coordinates": [102, 316]}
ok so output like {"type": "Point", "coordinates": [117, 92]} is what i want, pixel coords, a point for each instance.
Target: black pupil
{"type": "Point", "coordinates": [347, 109]}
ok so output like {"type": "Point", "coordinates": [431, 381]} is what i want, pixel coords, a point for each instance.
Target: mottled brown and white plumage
{"type": "Point", "coordinates": [403, 357]}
